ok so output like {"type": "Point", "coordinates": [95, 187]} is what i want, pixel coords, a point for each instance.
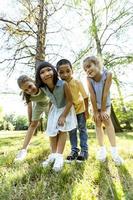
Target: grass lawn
{"type": "Point", "coordinates": [87, 181]}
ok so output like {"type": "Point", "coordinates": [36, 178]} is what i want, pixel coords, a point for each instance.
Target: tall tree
{"type": "Point", "coordinates": [41, 33]}
{"type": "Point", "coordinates": [26, 35]}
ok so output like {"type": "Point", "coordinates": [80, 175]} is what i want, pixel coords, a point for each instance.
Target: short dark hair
{"type": "Point", "coordinates": [63, 62]}
{"type": "Point", "coordinates": [38, 79]}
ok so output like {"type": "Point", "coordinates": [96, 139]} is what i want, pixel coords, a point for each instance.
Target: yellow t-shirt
{"type": "Point", "coordinates": [78, 95]}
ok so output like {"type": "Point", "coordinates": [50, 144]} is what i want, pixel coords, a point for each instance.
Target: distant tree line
{"type": "Point", "coordinates": [125, 115]}
{"type": "Point", "coordinates": [12, 122]}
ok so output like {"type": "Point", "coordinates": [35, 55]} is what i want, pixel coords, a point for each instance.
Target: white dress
{"type": "Point", "coordinates": [52, 124]}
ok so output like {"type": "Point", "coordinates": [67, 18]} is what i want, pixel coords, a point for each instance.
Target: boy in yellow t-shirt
{"type": "Point", "coordinates": [80, 102]}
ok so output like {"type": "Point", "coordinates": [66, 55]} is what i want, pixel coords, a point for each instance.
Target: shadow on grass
{"type": "Point", "coordinates": [126, 182]}
{"type": "Point", "coordinates": [38, 183]}
{"type": "Point", "coordinates": [107, 189]}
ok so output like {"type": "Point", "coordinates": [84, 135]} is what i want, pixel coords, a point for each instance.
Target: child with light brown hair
{"type": "Point", "coordinates": [99, 81]}
{"type": "Point", "coordinates": [37, 103]}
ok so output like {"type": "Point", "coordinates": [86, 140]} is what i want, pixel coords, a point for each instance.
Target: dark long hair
{"type": "Point", "coordinates": [38, 79]}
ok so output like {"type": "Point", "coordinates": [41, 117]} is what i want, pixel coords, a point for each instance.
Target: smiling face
{"type": "Point", "coordinates": [65, 72]}
{"type": "Point", "coordinates": [91, 69]}
{"type": "Point", "coordinates": [29, 87]}
{"type": "Point", "coordinates": [46, 75]}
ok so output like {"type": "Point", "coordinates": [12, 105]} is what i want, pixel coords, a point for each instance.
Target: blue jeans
{"type": "Point", "coordinates": [82, 134]}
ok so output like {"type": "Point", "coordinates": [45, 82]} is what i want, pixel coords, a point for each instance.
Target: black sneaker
{"type": "Point", "coordinates": [73, 156]}
{"type": "Point", "coordinates": [82, 156]}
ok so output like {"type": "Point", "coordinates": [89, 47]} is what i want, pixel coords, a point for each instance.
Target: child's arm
{"type": "Point", "coordinates": [85, 97]}
{"type": "Point", "coordinates": [86, 108]}
{"type": "Point", "coordinates": [92, 96]}
{"type": "Point", "coordinates": [104, 115]}
{"type": "Point", "coordinates": [29, 110]}
{"type": "Point", "coordinates": [32, 127]}
{"type": "Point", "coordinates": [30, 132]}
{"type": "Point", "coordinates": [93, 100]}
{"type": "Point", "coordinates": [106, 91]}
{"type": "Point", "coordinates": [68, 96]}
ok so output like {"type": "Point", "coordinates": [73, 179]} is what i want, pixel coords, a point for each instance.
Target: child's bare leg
{"type": "Point", "coordinates": [99, 133]}
{"type": "Point", "coordinates": [53, 143]}
{"type": "Point", "coordinates": [110, 131]}
{"type": "Point", "coordinates": [111, 135]}
{"type": "Point", "coordinates": [61, 142]}
{"type": "Point", "coordinates": [101, 153]}
{"type": "Point", "coordinates": [59, 161]}
{"type": "Point", "coordinates": [51, 158]}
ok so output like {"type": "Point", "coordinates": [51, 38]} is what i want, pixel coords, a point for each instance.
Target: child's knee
{"type": "Point", "coordinates": [106, 122]}
{"type": "Point", "coordinates": [98, 123]}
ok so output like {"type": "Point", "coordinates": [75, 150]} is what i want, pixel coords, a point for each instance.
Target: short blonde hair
{"type": "Point", "coordinates": [95, 60]}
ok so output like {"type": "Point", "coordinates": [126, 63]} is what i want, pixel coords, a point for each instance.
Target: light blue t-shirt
{"type": "Point", "coordinates": [57, 97]}
{"type": "Point", "coordinates": [98, 89]}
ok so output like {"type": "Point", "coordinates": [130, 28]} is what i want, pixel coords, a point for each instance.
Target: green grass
{"type": "Point", "coordinates": [87, 181]}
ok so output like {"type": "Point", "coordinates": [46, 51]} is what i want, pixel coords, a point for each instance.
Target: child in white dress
{"type": "Point", "coordinates": [61, 117]}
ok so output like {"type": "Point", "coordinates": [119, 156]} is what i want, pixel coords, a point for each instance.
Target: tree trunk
{"type": "Point", "coordinates": [115, 121]}
{"type": "Point", "coordinates": [95, 32]}
{"type": "Point", "coordinates": [41, 33]}
{"type": "Point", "coordinates": [41, 38]}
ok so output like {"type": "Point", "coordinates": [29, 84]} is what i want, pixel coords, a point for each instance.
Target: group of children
{"type": "Point", "coordinates": [68, 109]}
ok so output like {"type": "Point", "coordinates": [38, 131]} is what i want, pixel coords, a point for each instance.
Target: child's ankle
{"type": "Point", "coordinates": [113, 150]}
{"type": "Point", "coordinates": [102, 147]}
{"type": "Point", "coordinates": [59, 155]}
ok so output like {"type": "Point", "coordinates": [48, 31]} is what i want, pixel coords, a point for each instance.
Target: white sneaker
{"type": "Point", "coordinates": [59, 162]}
{"type": "Point", "coordinates": [118, 160]}
{"type": "Point", "coordinates": [115, 156]}
{"type": "Point", "coordinates": [50, 160]}
{"type": "Point", "coordinates": [101, 154]}
{"type": "Point", "coordinates": [21, 155]}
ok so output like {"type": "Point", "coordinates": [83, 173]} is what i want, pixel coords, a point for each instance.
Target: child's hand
{"type": "Point", "coordinates": [61, 120]}
{"type": "Point", "coordinates": [104, 115]}
{"type": "Point", "coordinates": [96, 116]}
